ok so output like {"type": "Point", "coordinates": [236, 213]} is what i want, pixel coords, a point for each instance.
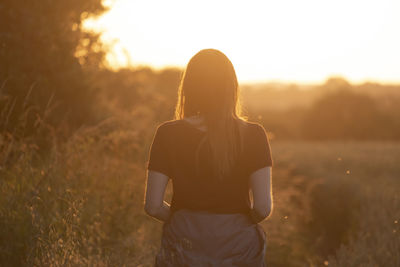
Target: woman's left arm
{"type": "Point", "coordinates": [155, 206]}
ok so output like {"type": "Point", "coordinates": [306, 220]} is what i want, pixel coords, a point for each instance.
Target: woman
{"type": "Point", "coordinates": [215, 158]}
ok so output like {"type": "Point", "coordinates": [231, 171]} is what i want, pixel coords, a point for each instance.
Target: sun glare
{"type": "Point", "coordinates": [298, 41]}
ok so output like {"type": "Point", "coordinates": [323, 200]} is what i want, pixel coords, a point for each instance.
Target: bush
{"type": "Point", "coordinates": [344, 114]}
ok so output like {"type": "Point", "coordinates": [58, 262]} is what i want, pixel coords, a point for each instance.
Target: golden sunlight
{"type": "Point", "coordinates": [296, 41]}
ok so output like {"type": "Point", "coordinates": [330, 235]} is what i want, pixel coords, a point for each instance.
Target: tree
{"type": "Point", "coordinates": [344, 114]}
{"type": "Point", "coordinates": [43, 52]}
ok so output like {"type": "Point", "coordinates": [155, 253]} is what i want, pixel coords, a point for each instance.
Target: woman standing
{"type": "Point", "coordinates": [215, 158]}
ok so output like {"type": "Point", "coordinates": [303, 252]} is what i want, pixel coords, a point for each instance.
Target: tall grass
{"type": "Point", "coordinates": [81, 203]}
{"type": "Point", "coordinates": [343, 208]}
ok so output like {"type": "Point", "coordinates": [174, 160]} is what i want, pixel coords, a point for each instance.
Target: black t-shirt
{"type": "Point", "coordinates": [173, 153]}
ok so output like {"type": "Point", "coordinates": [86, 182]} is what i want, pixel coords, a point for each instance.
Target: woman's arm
{"type": "Point", "coordinates": [155, 206]}
{"type": "Point", "coordinates": [261, 187]}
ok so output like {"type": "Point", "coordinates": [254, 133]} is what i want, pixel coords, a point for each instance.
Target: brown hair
{"type": "Point", "coordinates": [209, 87]}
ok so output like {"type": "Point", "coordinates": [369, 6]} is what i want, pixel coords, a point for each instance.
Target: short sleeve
{"type": "Point", "coordinates": [259, 150]}
{"type": "Point", "coordinates": [158, 155]}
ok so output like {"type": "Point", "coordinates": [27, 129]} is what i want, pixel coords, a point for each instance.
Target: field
{"type": "Point", "coordinates": [75, 129]}
{"type": "Point", "coordinates": [335, 203]}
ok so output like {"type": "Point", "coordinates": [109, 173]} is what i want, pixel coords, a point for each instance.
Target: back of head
{"type": "Point", "coordinates": [210, 84]}
{"type": "Point", "coordinates": [209, 88]}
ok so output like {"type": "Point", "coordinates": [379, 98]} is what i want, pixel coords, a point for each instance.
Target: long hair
{"type": "Point", "coordinates": [209, 87]}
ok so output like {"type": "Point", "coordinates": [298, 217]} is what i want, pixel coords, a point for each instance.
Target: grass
{"type": "Point", "coordinates": [336, 203]}
{"type": "Point", "coordinates": [329, 197]}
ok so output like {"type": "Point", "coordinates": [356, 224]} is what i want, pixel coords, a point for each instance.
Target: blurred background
{"type": "Point", "coordinates": [84, 84]}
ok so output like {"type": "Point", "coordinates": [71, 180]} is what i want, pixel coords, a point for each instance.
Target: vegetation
{"type": "Point", "coordinates": [74, 139]}
{"type": "Point", "coordinates": [83, 203]}
{"type": "Point", "coordinates": [335, 110]}
{"type": "Point", "coordinates": [335, 204]}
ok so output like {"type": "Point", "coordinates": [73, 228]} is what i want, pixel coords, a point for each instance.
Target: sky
{"type": "Point", "coordinates": [304, 41]}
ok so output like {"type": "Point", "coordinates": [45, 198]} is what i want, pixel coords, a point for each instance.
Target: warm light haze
{"type": "Point", "coordinates": [125, 139]}
{"type": "Point", "coordinates": [296, 41]}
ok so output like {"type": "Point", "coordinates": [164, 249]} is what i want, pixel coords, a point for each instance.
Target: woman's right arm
{"type": "Point", "coordinates": [261, 187]}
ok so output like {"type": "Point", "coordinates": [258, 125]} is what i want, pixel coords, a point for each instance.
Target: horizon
{"type": "Point", "coordinates": [263, 81]}
{"type": "Point", "coordinates": [307, 43]}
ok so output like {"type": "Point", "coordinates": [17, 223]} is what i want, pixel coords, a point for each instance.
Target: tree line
{"type": "Point", "coordinates": [52, 76]}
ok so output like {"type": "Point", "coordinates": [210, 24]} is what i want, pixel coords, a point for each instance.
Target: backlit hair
{"type": "Point", "coordinates": [209, 87]}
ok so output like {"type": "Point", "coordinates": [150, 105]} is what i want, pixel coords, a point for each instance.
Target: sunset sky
{"type": "Point", "coordinates": [291, 41]}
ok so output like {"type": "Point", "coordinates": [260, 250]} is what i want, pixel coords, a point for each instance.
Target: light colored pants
{"type": "Point", "coordinates": [193, 238]}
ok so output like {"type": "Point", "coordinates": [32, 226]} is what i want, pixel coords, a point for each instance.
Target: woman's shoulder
{"type": "Point", "coordinates": [252, 125]}
{"type": "Point", "coordinates": [166, 126]}
{"type": "Point", "coordinates": [168, 123]}
{"type": "Point", "coordinates": [169, 126]}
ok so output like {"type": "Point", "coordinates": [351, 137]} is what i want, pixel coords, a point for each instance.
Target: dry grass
{"type": "Point", "coordinates": [341, 204]}
{"type": "Point", "coordinates": [82, 204]}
